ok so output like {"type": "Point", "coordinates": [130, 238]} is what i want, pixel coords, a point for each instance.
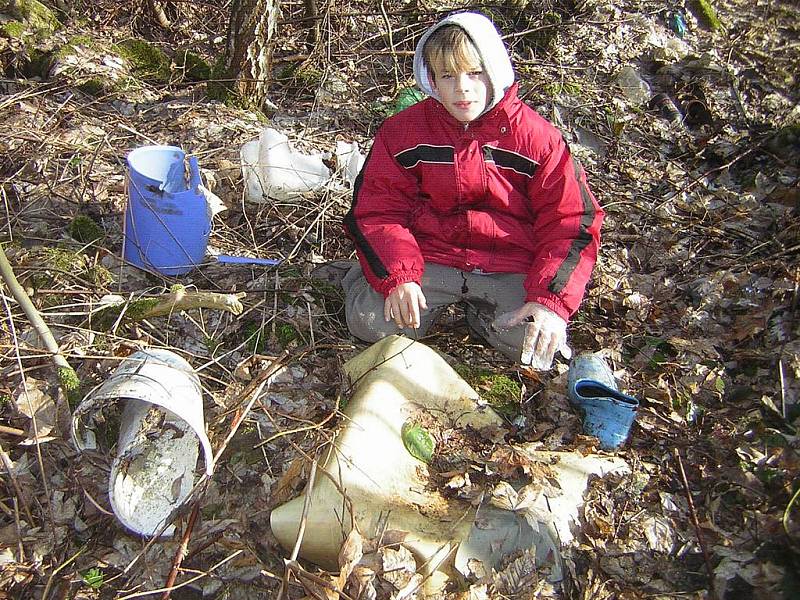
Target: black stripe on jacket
{"type": "Point", "coordinates": [510, 160]}
{"type": "Point", "coordinates": [361, 242]}
{"type": "Point", "coordinates": [583, 239]}
{"type": "Point", "coordinates": [426, 154]}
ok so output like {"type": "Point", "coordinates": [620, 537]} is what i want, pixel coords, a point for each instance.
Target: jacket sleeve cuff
{"type": "Point", "coordinates": [386, 285]}
{"type": "Point", "coordinates": [554, 303]}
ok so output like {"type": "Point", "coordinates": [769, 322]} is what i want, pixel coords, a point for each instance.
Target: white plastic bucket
{"type": "Point", "coordinates": [152, 472]}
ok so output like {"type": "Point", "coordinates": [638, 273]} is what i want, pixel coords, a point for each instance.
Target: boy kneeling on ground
{"type": "Point", "coordinates": [471, 196]}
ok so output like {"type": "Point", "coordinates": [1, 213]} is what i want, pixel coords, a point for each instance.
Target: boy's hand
{"type": "Point", "coordinates": [404, 305]}
{"type": "Point", "coordinates": [545, 334]}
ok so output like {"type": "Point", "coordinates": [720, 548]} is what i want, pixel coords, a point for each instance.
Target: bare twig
{"type": "Point", "coordinates": [176, 300]}
{"type": "Point", "coordinates": [696, 523]}
{"type": "Point", "coordinates": [228, 558]}
{"type": "Point", "coordinates": [256, 386]}
{"type": "Point", "coordinates": [15, 483]}
{"type": "Point", "coordinates": [58, 569]}
{"type": "Point", "coordinates": [300, 532]}
{"type": "Point", "coordinates": [390, 36]}
{"type": "Point", "coordinates": [788, 511]}
{"type": "Point", "coordinates": [180, 553]}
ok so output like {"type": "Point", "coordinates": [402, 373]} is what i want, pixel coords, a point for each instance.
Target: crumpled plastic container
{"type": "Point", "coordinates": [273, 169]}
{"type": "Point", "coordinates": [370, 478]}
{"type": "Point", "coordinates": [153, 468]}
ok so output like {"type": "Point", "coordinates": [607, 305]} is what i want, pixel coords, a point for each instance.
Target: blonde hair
{"type": "Point", "coordinates": [450, 50]}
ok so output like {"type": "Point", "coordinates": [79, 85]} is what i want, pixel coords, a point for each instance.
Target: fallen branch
{"type": "Point", "coordinates": [160, 15]}
{"type": "Point", "coordinates": [176, 300]}
{"type": "Point", "coordinates": [67, 377]}
{"type": "Point", "coordinates": [12, 431]}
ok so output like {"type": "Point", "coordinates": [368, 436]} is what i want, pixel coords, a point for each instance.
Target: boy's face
{"type": "Point", "coordinates": [464, 94]}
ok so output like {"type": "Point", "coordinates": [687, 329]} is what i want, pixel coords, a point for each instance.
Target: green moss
{"type": "Point", "coordinates": [72, 44]}
{"type": "Point", "coordinates": [99, 275]}
{"type": "Point", "coordinates": [81, 40]}
{"type": "Point", "coordinates": [138, 309]}
{"type": "Point", "coordinates": [255, 338]}
{"type": "Point", "coordinates": [38, 64]}
{"type": "Point", "coordinates": [500, 391]}
{"type": "Point", "coordinates": [543, 34]}
{"type": "Point", "coordinates": [85, 230]}
{"type": "Point", "coordinates": [14, 30]}
{"type": "Point", "coordinates": [69, 381]}
{"type": "Point", "coordinates": [192, 66]}
{"type": "Point", "coordinates": [40, 20]}
{"type": "Point", "coordinates": [706, 14]}
{"type": "Point", "coordinates": [211, 344]}
{"type": "Point", "coordinates": [147, 61]}
{"type": "Point", "coordinates": [218, 87]}
{"type": "Point", "coordinates": [563, 87]}
{"type": "Point", "coordinates": [286, 334]}
{"type": "Point", "coordinates": [64, 260]}
{"type": "Point", "coordinates": [94, 87]}
{"type": "Point", "coordinates": [302, 76]}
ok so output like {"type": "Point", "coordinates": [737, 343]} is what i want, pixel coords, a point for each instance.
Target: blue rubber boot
{"type": "Point", "coordinates": [607, 413]}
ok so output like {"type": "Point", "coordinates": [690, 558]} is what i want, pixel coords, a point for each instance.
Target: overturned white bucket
{"type": "Point", "coordinates": [161, 422]}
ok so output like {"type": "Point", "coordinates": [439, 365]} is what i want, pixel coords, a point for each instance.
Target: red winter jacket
{"type": "Point", "coordinates": [501, 194]}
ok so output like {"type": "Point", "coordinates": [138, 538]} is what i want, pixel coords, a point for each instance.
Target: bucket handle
{"type": "Point", "coordinates": [194, 173]}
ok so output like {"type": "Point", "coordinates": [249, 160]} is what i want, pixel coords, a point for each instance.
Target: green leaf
{"type": "Point", "coordinates": [93, 578]}
{"type": "Point", "coordinates": [418, 442]}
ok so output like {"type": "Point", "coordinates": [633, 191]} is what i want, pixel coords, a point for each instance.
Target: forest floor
{"type": "Point", "coordinates": [694, 300]}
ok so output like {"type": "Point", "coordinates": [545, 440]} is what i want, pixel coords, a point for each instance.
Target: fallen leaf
{"type": "Point", "coordinates": [32, 400]}
{"type": "Point", "coordinates": [399, 566]}
{"type": "Point", "coordinates": [349, 555]}
{"type": "Point", "coordinates": [520, 575]}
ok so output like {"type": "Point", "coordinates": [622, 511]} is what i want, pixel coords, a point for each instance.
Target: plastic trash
{"type": "Point", "coordinates": [608, 414]}
{"type": "Point", "coordinates": [636, 89]}
{"type": "Point", "coordinates": [496, 534]}
{"type": "Point", "coordinates": [572, 471]}
{"type": "Point", "coordinates": [677, 23]}
{"type": "Point", "coordinates": [406, 97]}
{"type": "Point", "coordinates": [350, 160]}
{"type": "Point", "coordinates": [387, 487]}
{"type": "Point", "coordinates": [167, 222]}
{"type": "Point", "coordinates": [273, 169]}
{"type": "Point", "coordinates": [246, 260]}
{"type": "Point", "coordinates": [394, 378]}
{"type": "Point", "coordinates": [161, 424]}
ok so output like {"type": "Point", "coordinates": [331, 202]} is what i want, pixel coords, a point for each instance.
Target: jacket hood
{"type": "Point", "coordinates": [489, 45]}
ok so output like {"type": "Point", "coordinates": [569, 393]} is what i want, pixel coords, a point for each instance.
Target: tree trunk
{"type": "Point", "coordinates": [248, 57]}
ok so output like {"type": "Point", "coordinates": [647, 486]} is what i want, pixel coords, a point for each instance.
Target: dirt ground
{"type": "Point", "coordinates": [693, 302]}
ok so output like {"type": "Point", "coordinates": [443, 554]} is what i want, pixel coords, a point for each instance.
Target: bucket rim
{"type": "Point", "coordinates": [609, 393]}
{"type": "Point", "coordinates": [152, 147]}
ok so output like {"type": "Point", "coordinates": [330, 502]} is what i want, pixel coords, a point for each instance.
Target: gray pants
{"type": "Point", "coordinates": [486, 296]}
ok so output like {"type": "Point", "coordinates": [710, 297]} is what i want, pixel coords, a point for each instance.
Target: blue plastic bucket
{"type": "Point", "coordinates": [166, 221]}
{"type": "Point", "coordinates": [608, 414]}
